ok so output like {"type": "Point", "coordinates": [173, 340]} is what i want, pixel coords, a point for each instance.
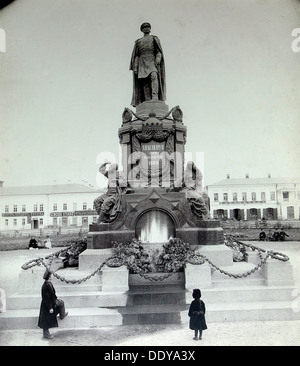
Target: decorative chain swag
{"type": "Point", "coordinates": [178, 260]}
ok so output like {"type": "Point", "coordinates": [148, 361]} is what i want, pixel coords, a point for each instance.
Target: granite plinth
{"type": "Point", "coordinates": [152, 106]}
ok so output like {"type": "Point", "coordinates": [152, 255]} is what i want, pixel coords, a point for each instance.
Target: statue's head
{"type": "Point", "coordinates": [145, 25]}
{"type": "Point", "coordinates": [113, 167]}
{"type": "Point", "coordinates": [189, 165]}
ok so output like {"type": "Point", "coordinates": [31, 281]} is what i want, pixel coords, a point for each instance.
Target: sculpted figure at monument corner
{"type": "Point", "coordinates": [108, 205]}
{"type": "Point", "coordinates": [194, 193]}
{"type": "Point", "coordinates": [148, 66]}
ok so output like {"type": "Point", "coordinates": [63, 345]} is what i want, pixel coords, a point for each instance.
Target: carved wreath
{"type": "Point", "coordinates": [153, 132]}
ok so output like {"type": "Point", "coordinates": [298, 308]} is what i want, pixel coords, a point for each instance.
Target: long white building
{"type": "Point", "coordinates": [47, 206]}
{"type": "Point", "coordinates": [255, 198]}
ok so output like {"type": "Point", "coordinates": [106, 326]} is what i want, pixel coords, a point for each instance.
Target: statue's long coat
{"type": "Point", "coordinates": [137, 95]}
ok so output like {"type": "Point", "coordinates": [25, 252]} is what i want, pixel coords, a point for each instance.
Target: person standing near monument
{"type": "Point", "coordinates": [147, 64]}
{"type": "Point", "coordinates": [51, 306]}
{"type": "Point", "coordinates": [197, 315]}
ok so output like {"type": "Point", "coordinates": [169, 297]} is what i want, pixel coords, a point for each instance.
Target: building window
{"type": "Point", "coordinates": [54, 206]}
{"type": "Point", "coordinates": [6, 222]}
{"type": "Point", "coordinates": [65, 206]}
{"type": "Point", "coordinates": [84, 206]}
{"type": "Point", "coordinates": [41, 207]}
{"type": "Point", "coordinates": [6, 208]}
{"type": "Point", "coordinates": [23, 222]}
{"type": "Point", "coordinates": [234, 196]}
{"type": "Point", "coordinates": [225, 197]}
{"type": "Point", "coordinates": [41, 221]}
{"type": "Point", "coordinates": [85, 221]}
{"type": "Point", "coordinates": [285, 196]}
{"type": "Point", "coordinates": [253, 196]}
{"type": "Point", "coordinates": [64, 221]}
{"type": "Point", "coordinates": [74, 220]}
{"type": "Point", "coordinates": [272, 196]}
{"type": "Point", "coordinates": [290, 212]}
{"type": "Point", "coordinates": [15, 208]}
{"type": "Point", "coordinates": [23, 208]}
{"type": "Point", "coordinates": [35, 207]}
{"type": "Point", "coordinates": [95, 219]}
{"type": "Point", "coordinates": [55, 221]}
{"type": "Point", "coordinates": [244, 196]}
{"type": "Point", "coordinates": [75, 206]}
{"type": "Point", "coordinates": [216, 197]}
{"type": "Point", "coordinates": [15, 222]}
{"type": "Point", "coordinates": [263, 196]}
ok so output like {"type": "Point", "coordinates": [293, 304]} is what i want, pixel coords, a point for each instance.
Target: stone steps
{"type": "Point", "coordinates": [157, 305]}
{"type": "Point", "coordinates": [153, 314]}
{"type": "Point", "coordinates": [77, 318]}
{"type": "Point", "coordinates": [249, 311]}
{"type": "Point", "coordinates": [246, 294]}
{"type": "Point", "coordinates": [71, 299]}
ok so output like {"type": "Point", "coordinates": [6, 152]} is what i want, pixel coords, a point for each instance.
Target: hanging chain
{"type": "Point", "coordinates": [192, 257]}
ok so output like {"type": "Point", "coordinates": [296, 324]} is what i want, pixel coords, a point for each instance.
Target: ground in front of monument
{"type": "Point", "coordinates": [246, 333]}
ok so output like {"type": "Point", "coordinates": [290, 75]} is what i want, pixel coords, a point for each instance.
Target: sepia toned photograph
{"type": "Point", "coordinates": [149, 175]}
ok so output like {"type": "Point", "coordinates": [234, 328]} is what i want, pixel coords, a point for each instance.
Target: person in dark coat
{"type": "Point", "coordinates": [51, 306]}
{"type": "Point", "coordinates": [282, 235]}
{"type": "Point", "coordinates": [262, 235]}
{"type": "Point", "coordinates": [33, 243]}
{"type": "Point", "coordinates": [276, 235]}
{"type": "Point", "coordinates": [197, 315]}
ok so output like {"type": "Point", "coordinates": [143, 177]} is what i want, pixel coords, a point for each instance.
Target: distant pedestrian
{"type": "Point", "coordinates": [40, 243]}
{"type": "Point", "coordinates": [33, 243]}
{"type": "Point", "coordinates": [197, 315]}
{"type": "Point", "coordinates": [282, 235]}
{"type": "Point", "coordinates": [270, 235]}
{"type": "Point", "coordinates": [276, 235]}
{"type": "Point", "coordinates": [47, 243]}
{"type": "Point", "coordinates": [262, 235]}
{"type": "Point", "coordinates": [51, 306]}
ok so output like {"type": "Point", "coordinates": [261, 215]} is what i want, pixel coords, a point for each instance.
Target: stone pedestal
{"type": "Point", "coordinates": [252, 257]}
{"type": "Point", "coordinates": [197, 276]}
{"type": "Point", "coordinates": [152, 106]}
{"type": "Point", "coordinates": [2, 300]}
{"type": "Point", "coordinates": [220, 255]}
{"type": "Point", "coordinates": [141, 202]}
{"type": "Point", "coordinates": [31, 280]}
{"type": "Point", "coordinates": [277, 273]}
{"type": "Point", "coordinates": [115, 279]}
{"type": "Point", "coordinates": [91, 259]}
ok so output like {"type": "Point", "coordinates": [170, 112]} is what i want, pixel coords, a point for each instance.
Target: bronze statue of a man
{"type": "Point", "coordinates": [147, 64]}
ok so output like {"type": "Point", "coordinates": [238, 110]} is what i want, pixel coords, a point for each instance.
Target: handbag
{"type": "Point", "coordinates": [59, 303]}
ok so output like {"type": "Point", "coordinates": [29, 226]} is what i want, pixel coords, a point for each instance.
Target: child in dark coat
{"type": "Point", "coordinates": [197, 315]}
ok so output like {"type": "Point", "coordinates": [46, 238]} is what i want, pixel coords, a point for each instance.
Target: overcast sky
{"type": "Point", "coordinates": [65, 82]}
